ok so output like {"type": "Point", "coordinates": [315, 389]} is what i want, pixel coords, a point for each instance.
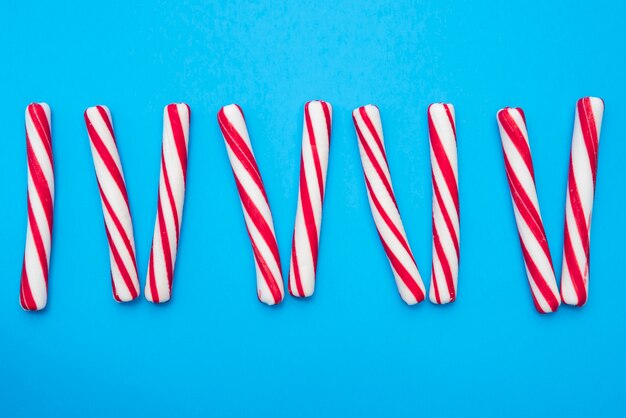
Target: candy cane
{"type": "Point", "coordinates": [383, 204]}
{"type": "Point", "coordinates": [444, 174]}
{"type": "Point", "coordinates": [34, 283]}
{"type": "Point", "coordinates": [255, 205]}
{"type": "Point", "coordinates": [521, 177]}
{"type": "Point", "coordinates": [170, 204]}
{"type": "Point", "coordinates": [313, 165]}
{"type": "Point", "coordinates": [117, 220]}
{"type": "Point", "coordinates": [580, 191]}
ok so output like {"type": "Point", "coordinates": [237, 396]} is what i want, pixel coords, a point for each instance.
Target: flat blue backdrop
{"type": "Point", "coordinates": [354, 349]}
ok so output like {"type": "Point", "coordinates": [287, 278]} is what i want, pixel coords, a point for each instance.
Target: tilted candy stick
{"type": "Point", "coordinates": [521, 177]}
{"type": "Point", "coordinates": [383, 204]}
{"type": "Point", "coordinates": [117, 220]}
{"type": "Point", "coordinates": [444, 173]}
{"type": "Point", "coordinates": [255, 205]}
{"type": "Point", "coordinates": [580, 191]}
{"type": "Point", "coordinates": [170, 203]}
{"type": "Point", "coordinates": [34, 283]}
{"type": "Point", "coordinates": [313, 165]}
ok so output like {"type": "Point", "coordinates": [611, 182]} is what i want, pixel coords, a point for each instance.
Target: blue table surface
{"type": "Point", "coordinates": [354, 348]}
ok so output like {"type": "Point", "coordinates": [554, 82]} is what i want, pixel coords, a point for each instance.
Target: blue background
{"type": "Point", "coordinates": [355, 348]}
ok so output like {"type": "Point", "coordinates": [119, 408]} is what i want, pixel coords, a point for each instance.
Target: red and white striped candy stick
{"type": "Point", "coordinates": [521, 177]}
{"type": "Point", "coordinates": [313, 165]}
{"type": "Point", "coordinates": [255, 205]}
{"type": "Point", "coordinates": [114, 198]}
{"type": "Point", "coordinates": [580, 191]}
{"type": "Point", "coordinates": [444, 173]}
{"type": "Point", "coordinates": [383, 204]}
{"type": "Point", "coordinates": [170, 204]}
{"type": "Point", "coordinates": [34, 283]}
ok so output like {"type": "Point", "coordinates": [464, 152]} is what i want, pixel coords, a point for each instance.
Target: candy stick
{"type": "Point", "coordinates": [254, 202]}
{"type": "Point", "coordinates": [580, 192]}
{"type": "Point", "coordinates": [444, 174]}
{"type": "Point", "coordinates": [383, 204]}
{"type": "Point", "coordinates": [34, 283]}
{"type": "Point", "coordinates": [313, 165]}
{"type": "Point", "coordinates": [521, 177]}
{"type": "Point", "coordinates": [115, 207]}
{"type": "Point", "coordinates": [170, 204]}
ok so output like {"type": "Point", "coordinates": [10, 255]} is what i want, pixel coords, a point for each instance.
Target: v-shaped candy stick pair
{"type": "Point", "coordinates": [579, 204]}
{"type": "Point", "coordinates": [255, 204]}
{"type": "Point", "coordinates": [445, 206]}
{"type": "Point", "coordinates": [114, 197]}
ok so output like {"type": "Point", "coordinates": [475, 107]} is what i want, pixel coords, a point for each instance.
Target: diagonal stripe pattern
{"type": "Point", "coordinates": [170, 203]}
{"type": "Point", "coordinates": [34, 282]}
{"type": "Point", "coordinates": [445, 218]}
{"type": "Point", "coordinates": [313, 165]}
{"type": "Point", "coordinates": [579, 203]}
{"type": "Point", "coordinates": [256, 209]}
{"type": "Point", "coordinates": [383, 204]}
{"type": "Point", "coordinates": [115, 207]}
{"type": "Point", "coordinates": [521, 177]}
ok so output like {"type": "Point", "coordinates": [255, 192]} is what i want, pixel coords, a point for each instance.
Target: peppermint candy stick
{"type": "Point", "coordinates": [444, 174]}
{"type": "Point", "coordinates": [114, 198]}
{"type": "Point", "coordinates": [313, 165]}
{"type": "Point", "coordinates": [581, 186]}
{"type": "Point", "coordinates": [256, 209]}
{"type": "Point", "coordinates": [383, 204]}
{"type": "Point", "coordinates": [170, 204]}
{"type": "Point", "coordinates": [521, 176]}
{"type": "Point", "coordinates": [34, 283]}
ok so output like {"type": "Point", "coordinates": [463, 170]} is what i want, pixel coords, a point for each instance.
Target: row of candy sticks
{"type": "Point", "coordinates": [313, 165]}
